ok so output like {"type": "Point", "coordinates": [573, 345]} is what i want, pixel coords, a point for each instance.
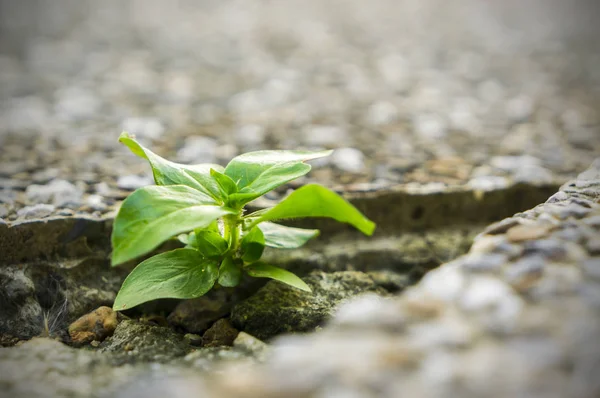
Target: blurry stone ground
{"type": "Point", "coordinates": [429, 92]}
{"type": "Point", "coordinates": [427, 103]}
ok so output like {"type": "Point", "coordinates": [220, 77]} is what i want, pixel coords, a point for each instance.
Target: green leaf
{"type": "Point", "coordinates": [252, 245]}
{"type": "Point", "coordinates": [230, 272]}
{"type": "Point", "coordinates": [210, 243]}
{"type": "Point", "coordinates": [282, 237]}
{"type": "Point", "coordinates": [270, 179]}
{"type": "Point", "coordinates": [249, 167]}
{"type": "Point", "coordinates": [181, 273]}
{"type": "Point", "coordinates": [317, 201]}
{"type": "Point", "coordinates": [151, 215]}
{"type": "Point", "coordinates": [226, 184]}
{"type": "Point", "coordinates": [262, 270]}
{"type": "Point", "coordinates": [169, 173]}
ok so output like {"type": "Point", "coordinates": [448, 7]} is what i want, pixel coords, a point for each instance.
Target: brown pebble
{"type": "Point", "coordinates": [526, 232]}
{"type": "Point", "coordinates": [220, 334]}
{"type": "Point", "coordinates": [96, 325]}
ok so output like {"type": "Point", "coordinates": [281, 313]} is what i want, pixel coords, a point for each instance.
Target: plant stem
{"type": "Point", "coordinates": [231, 231]}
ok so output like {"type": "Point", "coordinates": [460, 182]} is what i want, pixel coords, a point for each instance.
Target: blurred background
{"type": "Point", "coordinates": [414, 91]}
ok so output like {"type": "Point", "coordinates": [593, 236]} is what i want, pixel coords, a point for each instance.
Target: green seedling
{"type": "Point", "coordinates": [203, 206]}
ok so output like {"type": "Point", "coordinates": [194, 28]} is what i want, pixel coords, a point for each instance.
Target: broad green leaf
{"type": "Point", "coordinates": [210, 243]}
{"type": "Point", "coordinates": [270, 179]}
{"type": "Point", "coordinates": [317, 201]}
{"type": "Point", "coordinates": [262, 270]}
{"type": "Point", "coordinates": [181, 273]}
{"type": "Point", "coordinates": [151, 215]}
{"type": "Point", "coordinates": [247, 168]}
{"type": "Point", "coordinates": [230, 272]}
{"type": "Point", "coordinates": [226, 184]}
{"type": "Point", "coordinates": [252, 245]}
{"type": "Point", "coordinates": [170, 173]}
{"type": "Point", "coordinates": [282, 237]}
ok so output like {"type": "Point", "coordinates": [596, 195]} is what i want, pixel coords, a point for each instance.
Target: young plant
{"type": "Point", "coordinates": [203, 206]}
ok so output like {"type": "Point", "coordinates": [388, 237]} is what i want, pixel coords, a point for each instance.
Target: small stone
{"type": "Point", "coordinates": [249, 343]}
{"type": "Point", "coordinates": [332, 136]}
{"type": "Point", "coordinates": [395, 71]}
{"type": "Point", "coordinates": [193, 339]}
{"type": "Point", "coordinates": [534, 175]}
{"type": "Point", "coordinates": [560, 196]}
{"type": "Point", "coordinates": [76, 103]}
{"type": "Point", "coordinates": [36, 211]}
{"type": "Point", "coordinates": [484, 262]}
{"type": "Point", "coordinates": [482, 292]}
{"type": "Point", "coordinates": [550, 248]}
{"type": "Point", "coordinates": [97, 325]}
{"type": "Point", "coordinates": [487, 183]}
{"type": "Point", "coordinates": [382, 113]}
{"type": "Point", "coordinates": [198, 150]}
{"type": "Point", "coordinates": [350, 160]}
{"type": "Point", "coordinates": [524, 273]}
{"type": "Point", "coordinates": [3, 211]}
{"type": "Point", "coordinates": [60, 193]}
{"type": "Point", "coordinates": [95, 202]}
{"type": "Point", "coordinates": [148, 128]}
{"type": "Point", "coordinates": [196, 315]}
{"type": "Point", "coordinates": [512, 164]}
{"type": "Point", "coordinates": [369, 311]}
{"type": "Point", "coordinates": [592, 267]}
{"type": "Point", "coordinates": [520, 108]}
{"type": "Point", "coordinates": [525, 232]}
{"type": "Point", "coordinates": [132, 182]}
{"type": "Point", "coordinates": [430, 126]}
{"type": "Point", "coordinates": [221, 333]}
{"type": "Point", "coordinates": [250, 135]}
{"type": "Point", "coordinates": [7, 196]}
{"type": "Point", "coordinates": [444, 283]}
{"type": "Point", "coordinates": [593, 245]}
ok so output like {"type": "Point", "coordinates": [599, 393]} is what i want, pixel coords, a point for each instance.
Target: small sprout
{"type": "Point", "coordinates": [203, 207]}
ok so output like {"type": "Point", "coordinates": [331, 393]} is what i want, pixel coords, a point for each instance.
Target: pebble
{"type": "Point", "coordinates": [331, 136]}
{"type": "Point", "coordinates": [369, 310]}
{"type": "Point", "coordinates": [430, 126]}
{"type": "Point", "coordinates": [444, 284]}
{"type": "Point", "coordinates": [250, 135]}
{"type": "Point", "coordinates": [95, 202]}
{"type": "Point", "coordinates": [77, 103]}
{"type": "Point", "coordinates": [198, 149]}
{"type": "Point", "coordinates": [193, 339]}
{"type": "Point", "coordinates": [221, 333]}
{"type": "Point", "coordinates": [36, 211]}
{"type": "Point", "coordinates": [96, 325]}
{"type": "Point", "coordinates": [249, 343]}
{"type": "Point", "coordinates": [350, 160]}
{"type": "Point", "coordinates": [60, 193]}
{"type": "Point", "coordinates": [132, 182]}
{"type": "Point", "coordinates": [519, 108]}
{"type": "Point", "coordinates": [484, 262]}
{"type": "Point", "coordinates": [513, 164]}
{"type": "Point", "coordinates": [523, 232]}
{"type": "Point", "coordinates": [3, 211]}
{"type": "Point", "coordinates": [144, 127]}
{"type": "Point", "coordinates": [534, 175]}
{"type": "Point", "coordinates": [488, 183]}
{"type": "Point", "coordinates": [523, 273]}
{"type": "Point", "coordinates": [592, 267]}
{"type": "Point", "coordinates": [381, 113]}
